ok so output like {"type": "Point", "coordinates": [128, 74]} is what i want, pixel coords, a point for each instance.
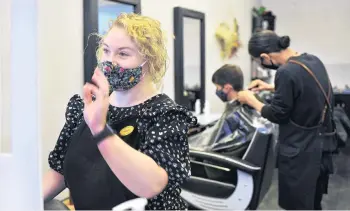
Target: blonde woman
{"type": "Point", "coordinates": [131, 143]}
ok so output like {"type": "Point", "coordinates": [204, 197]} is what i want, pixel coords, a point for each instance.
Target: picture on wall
{"type": "Point", "coordinates": [227, 35]}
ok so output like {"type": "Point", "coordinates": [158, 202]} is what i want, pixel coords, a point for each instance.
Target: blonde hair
{"type": "Point", "coordinates": [150, 39]}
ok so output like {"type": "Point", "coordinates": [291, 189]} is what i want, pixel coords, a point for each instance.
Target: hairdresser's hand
{"type": "Point", "coordinates": [95, 112]}
{"type": "Point", "coordinates": [259, 85]}
{"type": "Point", "coordinates": [246, 97]}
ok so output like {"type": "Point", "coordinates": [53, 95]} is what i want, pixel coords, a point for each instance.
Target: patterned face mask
{"type": "Point", "coordinates": [121, 79]}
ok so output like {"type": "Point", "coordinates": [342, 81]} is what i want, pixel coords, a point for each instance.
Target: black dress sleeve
{"type": "Point", "coordinates": [279, 110]}
{"type": "Point", "coordinates": [166, 143]}
{"type": "Point", "coordinates": [74, 116]}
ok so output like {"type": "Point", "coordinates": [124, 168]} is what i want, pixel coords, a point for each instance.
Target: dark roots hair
{"type": "Point", "coordinates": [267, 42]}
{"type": "Point", "coordinates": [229, 74]}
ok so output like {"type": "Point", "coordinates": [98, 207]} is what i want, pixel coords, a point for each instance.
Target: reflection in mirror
{"type": "Point", "coordinates": [108, 11]}
{"type": "Point", "coordinates": [191, 56]}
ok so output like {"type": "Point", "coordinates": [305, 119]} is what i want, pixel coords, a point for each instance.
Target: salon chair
{"type": "Point", "coordinates": [231, 171]}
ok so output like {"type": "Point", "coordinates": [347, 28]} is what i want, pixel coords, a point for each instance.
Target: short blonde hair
{"type": "Point", "coordinates": [150, 39]}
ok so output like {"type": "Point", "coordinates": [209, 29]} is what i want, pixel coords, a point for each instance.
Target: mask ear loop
{"type": "Point", "coordinates": [144, 73]}
{"type": "Point", "coordinates": [262, 61]}
{"type": "Point", "coordinates": [143, 63]}
{"type": "Point", "coordinates": [271, 62]}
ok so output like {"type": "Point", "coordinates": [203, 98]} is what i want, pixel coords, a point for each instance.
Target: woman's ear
{"type": "Point", "coordinates": [264, 56]}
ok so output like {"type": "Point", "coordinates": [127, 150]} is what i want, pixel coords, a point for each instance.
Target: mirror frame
{"type": "Point", "coordinates": [179, 14]}
{"type": "Point", "coordinates": [90, 12]}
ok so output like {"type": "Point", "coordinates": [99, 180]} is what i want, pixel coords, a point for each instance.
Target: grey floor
{"type": "Point", "coordinates": [338, 197]}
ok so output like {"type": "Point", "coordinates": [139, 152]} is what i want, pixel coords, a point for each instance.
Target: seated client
{"type": "Point", "coordinates": [228, 80]}
{"type": "Point", "coordinates": [130, 143]}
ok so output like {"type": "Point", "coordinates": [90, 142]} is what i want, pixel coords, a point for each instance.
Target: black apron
{"type": "Point", "coordinates": [303, 157]}
{"type": "Point", "coordinates": [92, 184]}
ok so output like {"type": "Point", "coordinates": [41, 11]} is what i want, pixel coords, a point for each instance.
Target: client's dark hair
{"type": "Point", "coordinates": [229, 74]}
{"type": "Point", "coordinates": [267, 42]}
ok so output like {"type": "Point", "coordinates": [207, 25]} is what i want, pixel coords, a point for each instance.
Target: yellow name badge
{"type": "Point", "coordinates": [127, 130]}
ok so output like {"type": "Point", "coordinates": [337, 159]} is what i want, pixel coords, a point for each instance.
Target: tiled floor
{"type": "Point", "coordinates": [338, 197]}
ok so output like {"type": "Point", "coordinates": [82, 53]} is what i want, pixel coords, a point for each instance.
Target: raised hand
{"type": "Point", "coordinates": [95, 112]}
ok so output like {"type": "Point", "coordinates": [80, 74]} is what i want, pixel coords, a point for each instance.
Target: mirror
{"type": "Point", "coordinates": [189, 27]}
{"type": "Point", "coordinates": [192, 62]}
{"type": "Point", "coordinates": [109, 10]}
{"type": "Point", "coordinates": [97, 17]}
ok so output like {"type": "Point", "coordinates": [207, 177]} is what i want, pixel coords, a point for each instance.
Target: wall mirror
{"type": "Point", "coordinates": [97, 16]}
{"type": "Point", "coordinates": [189, 57]}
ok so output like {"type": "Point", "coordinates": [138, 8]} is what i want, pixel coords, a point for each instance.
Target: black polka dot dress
{"type": "Point", "coordinates": [161, 127]}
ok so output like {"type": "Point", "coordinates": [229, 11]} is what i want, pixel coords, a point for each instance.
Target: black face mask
{"type": "Point", "coordinates": [222, 95]}
{"type": "Point", "coordinates": [271, 66]}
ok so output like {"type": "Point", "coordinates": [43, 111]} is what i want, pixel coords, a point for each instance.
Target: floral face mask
{"type": "Point", "coordinates": [121, 79]}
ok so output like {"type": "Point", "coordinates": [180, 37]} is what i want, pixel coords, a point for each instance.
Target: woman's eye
{"type": "Point", "coordinates": [106, 51]}
{"type": "Point", "coordinates": [123, 54]}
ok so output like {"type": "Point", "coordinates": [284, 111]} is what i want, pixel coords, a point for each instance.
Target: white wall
{"type": "Point", "coordinates": [60, 65]}
{"type": "Point", "coordinates": [60, 49]}
{"type": "Point", "coordinates": [4, 75]}
{"type": "Point", "coordinates": [319, 27]}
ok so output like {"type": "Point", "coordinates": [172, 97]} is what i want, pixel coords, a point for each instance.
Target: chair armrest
{"type": "Point", "coordinates": [55, 204]}
{"type": "Point", "coordinates": [230, 162]}
{"type": "Point", "coordinates": [133, 204]}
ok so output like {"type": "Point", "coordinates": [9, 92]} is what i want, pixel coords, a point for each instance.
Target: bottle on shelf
{"type": "Point", "coordinates": [197, 107]}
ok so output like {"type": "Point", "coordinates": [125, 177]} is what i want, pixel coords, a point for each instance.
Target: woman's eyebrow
{"type": "Point", "coordinates": [125, 48]}
{"type": "Point", "coordinates": [121, 48]}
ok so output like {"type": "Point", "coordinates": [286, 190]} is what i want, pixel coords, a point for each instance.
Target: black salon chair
{"type": "Point", "coordinates": [232, 175]}
{"type": "Point", "coordinates": [55, 205]}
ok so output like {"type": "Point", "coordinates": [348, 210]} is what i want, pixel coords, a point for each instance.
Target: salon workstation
{"type": "Point", "coordinates": [174, 105]}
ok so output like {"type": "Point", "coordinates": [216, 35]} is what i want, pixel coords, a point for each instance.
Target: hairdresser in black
{"type": "Point", "coordinates": [302, 106]}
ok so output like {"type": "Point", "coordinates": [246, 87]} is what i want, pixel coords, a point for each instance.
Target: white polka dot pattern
{"type": "Point", "coordinates": [74, 114]}
{"type": "Point", "coordinates": [164, 126]}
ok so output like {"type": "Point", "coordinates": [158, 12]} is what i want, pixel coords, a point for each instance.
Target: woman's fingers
{"type": "Point", "coordinates": [99, 89]}
{"type": "Point", "coordinates": [255, 89]}
{"type": "Point", "coordinates": [87, 95]}
{"type": "Point", "coordinates": [252, 86]}
{"type": "Point", "coordinates": [89, 91]}
{"type": "Point", "coordinates": [101, 81]}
